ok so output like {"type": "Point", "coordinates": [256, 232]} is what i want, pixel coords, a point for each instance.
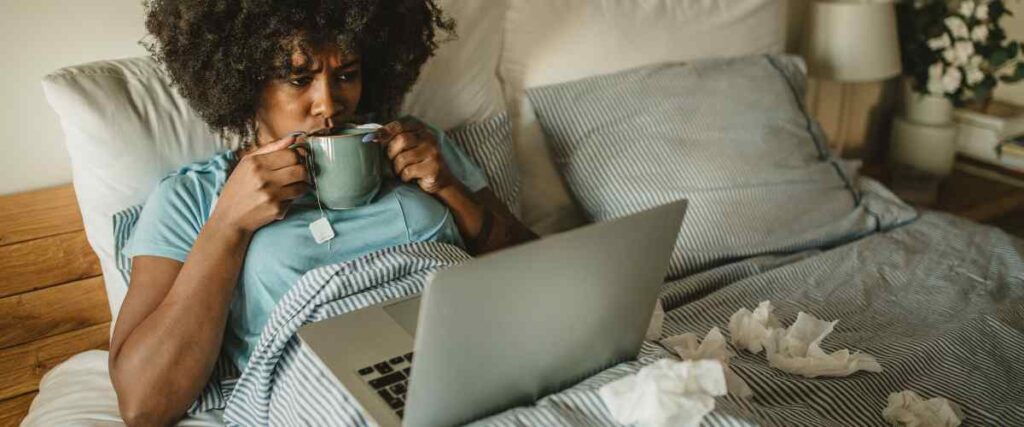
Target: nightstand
{"type": "Point", "coordinates": [975, 190]}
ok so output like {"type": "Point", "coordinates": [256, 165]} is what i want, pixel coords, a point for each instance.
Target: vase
{"type": "Point", "coordinates": [920, 158]}
{"type": "Point", "coordinates": [925, 148]}
{"type": "Point", "coordinates": [927, 109]}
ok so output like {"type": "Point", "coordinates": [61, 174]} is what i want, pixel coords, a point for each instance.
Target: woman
{"type": "Point", "coordinates": [220, 242]}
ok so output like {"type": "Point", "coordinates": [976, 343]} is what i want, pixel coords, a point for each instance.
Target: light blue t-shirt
{"type": "Point", "coordinates": [280, 252]}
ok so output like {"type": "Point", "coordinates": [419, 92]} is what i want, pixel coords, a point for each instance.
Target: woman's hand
{"type": "Point", "coordinates": [262, 187]}
{"type": "Point", "coordinates": [415, 155]}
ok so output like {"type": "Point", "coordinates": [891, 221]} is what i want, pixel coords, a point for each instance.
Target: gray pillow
{"type": "Point", "coordinates": [730, 135]}
{"type": "Point", "coordinates": [489, 144]}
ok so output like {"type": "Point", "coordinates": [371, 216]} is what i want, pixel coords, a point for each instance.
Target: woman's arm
{"type": "Point", "coordinates": [169, 331]}
{"type": "Point", "coordinates": [170, 327]}
{"type": "Point", "coordinates": [470, 211]}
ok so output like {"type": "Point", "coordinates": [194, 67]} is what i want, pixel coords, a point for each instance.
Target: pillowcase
{"type": "Point", "coordinates": [125, 128]}
{"type": "Point", "coordinates": [459, 84]}
{"type": "Point", "coordinates": [489, 144]}
{"type": "Point", "coordinates": [730, 135]}
{"type": "Point", "coordinates": [555, 41]}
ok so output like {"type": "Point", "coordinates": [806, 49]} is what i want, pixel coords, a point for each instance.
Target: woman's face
{"type": "Point", "coordinates": [322, 90]}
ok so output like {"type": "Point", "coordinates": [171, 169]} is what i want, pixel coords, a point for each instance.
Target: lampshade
{"type": "Point", "coordinates": [852, 41]}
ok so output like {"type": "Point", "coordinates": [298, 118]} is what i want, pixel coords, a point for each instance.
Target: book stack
{"type": "Point", "coordinates": [1011, 153]}
{"type": "Point", "coordinates": [994, 135]}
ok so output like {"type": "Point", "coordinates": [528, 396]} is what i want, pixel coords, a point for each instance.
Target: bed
{"type": "Point", "coordinates": [938, 299]}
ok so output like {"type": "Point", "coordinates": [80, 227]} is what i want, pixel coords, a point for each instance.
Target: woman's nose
{"type": "Point", "coordinates": [325, 106]}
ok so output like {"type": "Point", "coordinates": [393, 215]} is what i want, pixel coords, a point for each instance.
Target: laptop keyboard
{"type": "Point", "coordinates": [390, 378]}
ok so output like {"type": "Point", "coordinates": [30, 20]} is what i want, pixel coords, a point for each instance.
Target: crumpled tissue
{"type": "Point", "coordinates": [748, 329]}
{"type": "Point", "coordinates": [666, 393]}
{"type": "Point", "coordinates": [909, 409]}
{"type": "Point", "coordinates": [657, 321]}
{"type": "Point", "coordinates": [797, 350]}
{"type": "Point", "coordinates": [689, 347]}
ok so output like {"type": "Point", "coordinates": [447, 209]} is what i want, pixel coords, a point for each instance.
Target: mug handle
{"type": "Point", "coordinates": [308, 161]}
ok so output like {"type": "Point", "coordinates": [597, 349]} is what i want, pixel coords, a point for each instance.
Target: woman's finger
{"type": "Point", "coordinates": [293, 191]}
{"type": "Point", "coordinates": [290, 175]}
{"type": "Point", "coordinates": [402, 142]}
{"type": "Point", "coordinates": [280, 144]}
{"type": "Point", "coordinates": [397, 127]}
{"type": "Point", "coordinates": [280, 159]}
{"type": "Point", "coordinates": [421, 170]}
{"type": "Point", "coordinates": [413, 156]}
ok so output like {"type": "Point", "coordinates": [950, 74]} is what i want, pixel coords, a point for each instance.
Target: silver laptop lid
{"type": "Point", "coordinates": [589, 294]}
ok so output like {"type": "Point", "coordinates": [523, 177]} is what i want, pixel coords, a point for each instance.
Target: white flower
{"type": "Point", "coordinates": [967, 8]}
{"type": "Point", "coordinates": [934, 85]}
{"type": "Point", "coordinates": [981, 12]}
{"type": "Point", "coordinates": [979, 33]}
{"type": "Point", "coordinates": [949, 55]}
{"type": "Point", "coordinates": [951, 81]}
{"type": "Point", "coordinates": [940, 42]}
{"type": "Point", "coordinates": [974, 75]}
{"type": "Point", "coordinates": [964, 50]}
{"type": "Point", "coordinates": [973, 70]}
{"type": "Point", "coordinates": [957, 26]}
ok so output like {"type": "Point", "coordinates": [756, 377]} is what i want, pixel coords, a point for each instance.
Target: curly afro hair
{"type": "Point", "coordinates": [219, 53]}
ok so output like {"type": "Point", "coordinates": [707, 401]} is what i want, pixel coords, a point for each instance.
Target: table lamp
{"type": "Point", "coordinates": [852, 42]}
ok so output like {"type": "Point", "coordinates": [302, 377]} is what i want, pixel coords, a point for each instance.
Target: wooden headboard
{"type": "Point", "coordinates": [52, 301]}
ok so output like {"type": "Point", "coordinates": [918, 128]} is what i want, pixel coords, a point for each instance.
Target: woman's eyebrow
{"type": "Point", "coordinates": [349, 64]}
{"type": "Point", "coordinates": [305, 68]}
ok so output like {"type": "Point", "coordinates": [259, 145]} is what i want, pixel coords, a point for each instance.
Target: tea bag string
{"type": "Point", "coordinates": [316, 189]}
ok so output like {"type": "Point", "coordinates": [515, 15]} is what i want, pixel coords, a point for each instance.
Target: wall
{"type": "Point", "coordinates": [37, 37]}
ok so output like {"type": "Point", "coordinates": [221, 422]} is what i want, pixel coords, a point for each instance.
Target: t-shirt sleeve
{"type": "Point", "coordinates": [170, 220]}
{"type": "Point", "coordinates": [459, 163]}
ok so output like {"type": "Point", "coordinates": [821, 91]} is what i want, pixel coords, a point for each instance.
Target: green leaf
{"type": "Point", "coordinates": [999, 57]}
{"type": "Point", "coordinates": [1016, 76]}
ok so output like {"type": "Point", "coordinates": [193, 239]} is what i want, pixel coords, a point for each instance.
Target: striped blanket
{"type": "Point", "coordinates": [939, 302]}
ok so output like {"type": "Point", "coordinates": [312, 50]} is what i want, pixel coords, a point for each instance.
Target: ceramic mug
{"type": "Point", "coordinates": [346, 171]}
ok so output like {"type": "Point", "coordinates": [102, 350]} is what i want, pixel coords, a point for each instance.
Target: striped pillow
{"type": "Point", "coordinates": [124, 225]}
{"type": "Point", "coordinates": [489, 144]}
{"type": "Point", "coordinates": [730, 135]}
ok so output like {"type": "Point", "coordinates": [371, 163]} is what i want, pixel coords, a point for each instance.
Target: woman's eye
{"type": "Point", "coordinates": [349, 76]}
{"type": "Point", "coordinates": [300, 82]}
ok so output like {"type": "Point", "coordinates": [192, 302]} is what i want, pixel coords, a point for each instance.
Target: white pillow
{"type": "Point", "coordinates": [459, 85]}
{"type": "Point", "coordinates": [78, 392]}
{"type": "Point", "coordinates": [125, 127]}
{"type": "Point", "coordinates": [554, 41]}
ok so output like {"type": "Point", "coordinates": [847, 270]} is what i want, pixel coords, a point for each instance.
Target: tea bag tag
{"type": "Point", "coordinates": [322, 230]}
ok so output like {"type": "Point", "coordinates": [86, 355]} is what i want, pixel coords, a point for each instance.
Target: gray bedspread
{"type": "Point", "coordinates": [939, 302]}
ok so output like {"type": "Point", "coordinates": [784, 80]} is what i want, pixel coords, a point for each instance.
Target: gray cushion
{"type": "Point", "coordinates": [489, 144]}
{"type": "Point", "coordinates": [730, 135]}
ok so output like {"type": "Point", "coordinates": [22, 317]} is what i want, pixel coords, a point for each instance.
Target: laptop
{"type": "Point", "coordinates": [505, 329]}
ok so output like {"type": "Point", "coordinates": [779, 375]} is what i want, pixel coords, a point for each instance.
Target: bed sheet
{"type": "Point", "coordinates": [939, 302]}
